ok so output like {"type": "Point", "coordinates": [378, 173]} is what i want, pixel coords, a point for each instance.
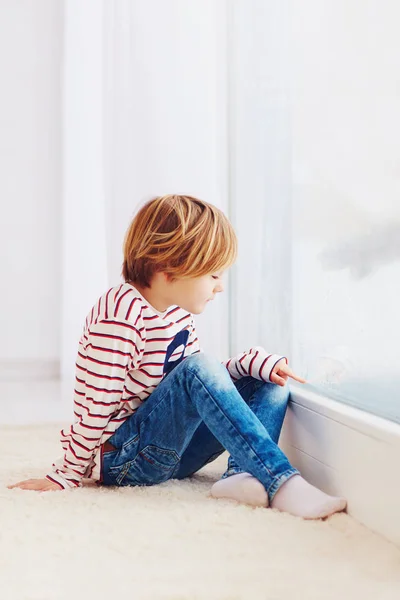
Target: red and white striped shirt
{"type": "Point", "coordinates": [122, 357]}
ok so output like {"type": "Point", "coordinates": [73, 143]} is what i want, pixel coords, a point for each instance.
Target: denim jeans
{"type": "Point", "coordinates": [194, 414]}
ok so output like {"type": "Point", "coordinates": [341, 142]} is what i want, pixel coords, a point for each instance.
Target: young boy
{"type": "Point", "coordinates": [149, 405]}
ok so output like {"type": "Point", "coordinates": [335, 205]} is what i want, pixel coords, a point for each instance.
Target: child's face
{"type": "Point", "coordinates": [194, 294]}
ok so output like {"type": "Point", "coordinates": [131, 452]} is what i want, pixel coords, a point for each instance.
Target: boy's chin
{"type": "Point", "coordinates": [195, 310]}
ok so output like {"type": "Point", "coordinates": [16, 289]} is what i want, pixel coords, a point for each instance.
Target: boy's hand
{"type": "Point", "coordinates": [42, 485]}
{"type": "Point", "coordinates": [281, 372]}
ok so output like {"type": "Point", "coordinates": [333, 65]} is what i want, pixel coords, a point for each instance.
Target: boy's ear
{"type": "Point", "coordinates": [167, 277]}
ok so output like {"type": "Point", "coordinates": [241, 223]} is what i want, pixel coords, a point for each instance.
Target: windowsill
{"type": "Point", "coordinates": [346, 451]}
{"type": "Point", "coordinates": [362, 421]}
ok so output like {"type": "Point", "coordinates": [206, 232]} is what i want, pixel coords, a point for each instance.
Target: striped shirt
{"type": "Point", "coordinates": [126, 349]}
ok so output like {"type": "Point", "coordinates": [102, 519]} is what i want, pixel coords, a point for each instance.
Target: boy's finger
{"type": "Point", "coordinates": [21, 485]}
{"type": "Point", "coordinates": [278, 380]}
{"type": "Point", "coordinates": [24, 485]}
{"type": "Point", "coordinates": [290, 373]}
{"type": "Point", "coordinates": [297, 378]}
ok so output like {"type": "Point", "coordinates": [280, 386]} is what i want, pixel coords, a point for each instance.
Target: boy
{"type": "Point", "coordinates": [149, 405]}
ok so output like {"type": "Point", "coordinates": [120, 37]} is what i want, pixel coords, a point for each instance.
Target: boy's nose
{"type": "Point", "coordinates": [219, 288]}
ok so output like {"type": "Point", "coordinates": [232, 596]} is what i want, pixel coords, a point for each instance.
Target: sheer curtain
{"type": "Point", "coordinates": [85, 273]}
{"type": "Point", "coordinates": [260, 174]}
{"type": "Point", "coordinates": [144, 114]}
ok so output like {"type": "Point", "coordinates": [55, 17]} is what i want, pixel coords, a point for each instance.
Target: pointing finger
{"type": "Point", "coordinates": [285, 369]}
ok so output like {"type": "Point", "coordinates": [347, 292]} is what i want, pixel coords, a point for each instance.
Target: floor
{"type": "Point", "coordinates": [168, 542]}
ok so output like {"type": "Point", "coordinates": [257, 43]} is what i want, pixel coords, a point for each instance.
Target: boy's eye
{"type": "Point", "coordinates": [215, 277]}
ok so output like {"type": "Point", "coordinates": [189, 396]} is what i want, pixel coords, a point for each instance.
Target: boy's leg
{"type": "Point", "coordinates": [296, 496]}
{"type": "Point", "coordinates": [150, 444]}
{"type": "Point", "coordinates": [267, 401]}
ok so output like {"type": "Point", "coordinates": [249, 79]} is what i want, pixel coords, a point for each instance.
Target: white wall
{"type": "Point", "coordinates": [30, 179]}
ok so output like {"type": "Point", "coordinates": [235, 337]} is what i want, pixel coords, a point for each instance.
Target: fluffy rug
{"type": "Point", "coordinates": [172, 541]}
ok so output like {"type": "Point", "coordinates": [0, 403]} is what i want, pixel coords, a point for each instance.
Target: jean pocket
{"type": "Point", "coordinates": [116, 464]}
{"type": "Point", "coordinates": [152, 465]}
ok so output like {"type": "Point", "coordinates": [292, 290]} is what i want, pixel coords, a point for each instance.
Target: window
{"type": "Point", "coordinates": [315, 189]}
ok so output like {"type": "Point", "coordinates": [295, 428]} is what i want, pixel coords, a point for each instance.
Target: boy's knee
{"type": "Point", "coordinates": [281, 394]}
{"type": "Point", "coordinates": [205, 366]}
{"type": "Point", "coordinates": [202, 361]}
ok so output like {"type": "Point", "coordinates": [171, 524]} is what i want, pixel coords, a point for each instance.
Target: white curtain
{"type": "Point", "coordinates": [145, 94]}
{"type": "Point", "coordinates": [260, 173]}
{"type": "Point", "coordinates": [85, 274]}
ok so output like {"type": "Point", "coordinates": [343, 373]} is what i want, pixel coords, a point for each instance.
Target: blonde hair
{"type": "Point", "coordinates": [178, 235]}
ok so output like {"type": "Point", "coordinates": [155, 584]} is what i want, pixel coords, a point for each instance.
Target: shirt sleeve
{"type": "Point", "coordinates": [106, 352]}
{"type": "Point", "coordinates": [255, 363]}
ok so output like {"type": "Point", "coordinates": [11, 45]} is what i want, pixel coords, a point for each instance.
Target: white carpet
{"type": "Point", "coordinates": [172, 541]}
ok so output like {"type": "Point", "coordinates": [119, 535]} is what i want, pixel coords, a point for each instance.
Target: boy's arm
{"type": "Point", "coordinates": [255, 363]}
{"type": "Point", "coordinates": [110, 348]}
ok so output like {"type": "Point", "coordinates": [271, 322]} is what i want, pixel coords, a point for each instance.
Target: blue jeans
{"type": "Point", "coordinates": [194, 414]}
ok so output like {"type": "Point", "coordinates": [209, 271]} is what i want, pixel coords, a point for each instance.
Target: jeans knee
{"type": "Point", "coordinates": [207, 367]}
{"type": "Point", "coordinates": [201, 361]}
{"type": "Point", "coordinates": [275, 394]}
{"type": "Point", "coordinates": [280, 394]}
